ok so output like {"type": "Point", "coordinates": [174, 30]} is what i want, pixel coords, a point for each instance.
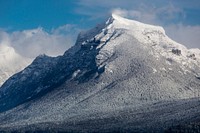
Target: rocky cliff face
{"type": "Point", "coordinates": [120, 76]}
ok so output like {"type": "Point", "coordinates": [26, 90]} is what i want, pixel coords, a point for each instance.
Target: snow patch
{"type": "Point", "coordinates": [74, 75]}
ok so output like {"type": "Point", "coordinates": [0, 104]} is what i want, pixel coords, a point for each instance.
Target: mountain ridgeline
{"type": "Point", "coordinates": [121, 76]}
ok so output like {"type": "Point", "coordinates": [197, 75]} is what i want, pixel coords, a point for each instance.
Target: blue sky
{"type": "Point", "coordinates": [29, 14]}
{"type": "Point", "coordinates": [61, 20]}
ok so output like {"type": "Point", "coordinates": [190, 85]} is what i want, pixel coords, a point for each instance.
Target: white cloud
{"type": "Point", "coordinates": [4, 38]}
{"type": "Point", "coordinates": [31, 43]}
{"type": "Point", "coordinates": [186, 35]}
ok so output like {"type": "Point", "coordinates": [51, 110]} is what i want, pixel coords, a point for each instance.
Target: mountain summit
{"type": "Point", "coordinates": [121, 76]}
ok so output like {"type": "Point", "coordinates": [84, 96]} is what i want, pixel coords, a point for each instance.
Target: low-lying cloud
{"type": "Point", "coordinates": [31, 43]}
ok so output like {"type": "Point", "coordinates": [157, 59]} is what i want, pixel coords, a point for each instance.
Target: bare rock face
{"type": "Point", "coordinates": [121, 76]}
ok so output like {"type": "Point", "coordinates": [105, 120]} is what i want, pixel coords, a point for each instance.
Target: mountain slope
{"type": "Point", "coordinates": [120, 76]}
{"type": "Point", "coordinates": [10, 62]}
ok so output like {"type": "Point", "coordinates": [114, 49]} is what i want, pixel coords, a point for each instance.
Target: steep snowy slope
{"type": "Point", "coordinates": [10, 63]}
{"type": "Point", "coordinates": [120, 76]}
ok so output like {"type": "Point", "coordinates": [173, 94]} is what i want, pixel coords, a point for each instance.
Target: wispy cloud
{"type": "Point", "coordinates": [31, 43]}
{"type": "Point", "coordinates": [135, 4]}
{"type": "Point", "coordinates": [187, 35]}
{"type": "Point", "coordinates": [142, 16]}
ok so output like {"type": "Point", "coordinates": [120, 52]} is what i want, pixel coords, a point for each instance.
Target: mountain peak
{"type": "Point", "coordinates": [119, 66]}
{"type": "Point", "coordinates": [150, 36]}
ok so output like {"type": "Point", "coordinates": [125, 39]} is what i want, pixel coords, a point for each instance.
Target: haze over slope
{"type": "Point", "coordinates": [10, 62]}
{"type": "Point", "coordinates": [122, 75]}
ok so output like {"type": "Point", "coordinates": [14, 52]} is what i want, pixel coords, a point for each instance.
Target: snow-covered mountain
{"type": "Point", "coordinates": [10, 62]}
{"type": "Point", "coordinates": [121, 76]}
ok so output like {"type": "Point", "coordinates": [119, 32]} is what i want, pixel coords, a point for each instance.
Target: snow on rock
{"type": "Point", "coordinates": [194, 54]}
